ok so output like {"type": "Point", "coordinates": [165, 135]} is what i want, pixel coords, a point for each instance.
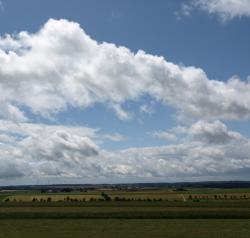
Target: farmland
{"type": "Point", "coordinates": [124, 213]}
{"type": "Point", "coordinates": [120, 228]}
{"type": "Point", "coordinates": [140, 195]}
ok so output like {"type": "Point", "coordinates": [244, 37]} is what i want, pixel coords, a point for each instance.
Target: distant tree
{"type": "Point", "coordinates": [67, 190]}
{"type": "Point", "coordinates": [67, 198]}
{"type": "Point", "coordinates": [180, 189]}
{"type": "Point", "coordinates": [106, 197]}
{"type": "Point", "coordinates": [49, 199]}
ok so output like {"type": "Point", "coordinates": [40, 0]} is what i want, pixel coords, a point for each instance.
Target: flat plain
{"type": "Point", "coordinates": [124, 228]}
{"type": "Point", "coordinates": [159, 213]}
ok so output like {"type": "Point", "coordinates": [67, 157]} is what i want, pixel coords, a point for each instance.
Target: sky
{"type": "Point", "coordinates": [124, 91]}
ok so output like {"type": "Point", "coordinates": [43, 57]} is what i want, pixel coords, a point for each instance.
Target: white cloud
{"type": "Point", "coordinates": [185, 10]}
{"type": "Point", "coordinates": [225, 9]}
{"type": "Point", "coordinates": [61, 65]}
{"type": "Point", "coordinates": [41, 152]}
{"type": "Point", "coordinates": [23, 130]}
{"type": "Point", "coordinates": [6, 138]}
{"type": "Point", "coordinates": [147, 108]}
{"type": "Point", "coordinates": [114, 137]}
{"type": "Point", "coordinates": [165, 135]}
{"type": "Point", "coordinates": [13, 113]}
{"type": "Point", "coordinates": [214, 132]}
{"type": "Point", "coordinates": [33, 148]}
{"type": "Point", "coordinates": [120, 112]}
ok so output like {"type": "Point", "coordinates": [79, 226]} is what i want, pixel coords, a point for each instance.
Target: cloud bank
{"type": "Point", "coordinates": [41, 151]}
{"type": "Point", "coordinates": [60, 66]}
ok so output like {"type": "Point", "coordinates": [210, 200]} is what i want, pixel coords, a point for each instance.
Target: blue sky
{"type": "Point", "coordinates": [206, 43]}
{"type": "Point", "coordinates": [200, 40]}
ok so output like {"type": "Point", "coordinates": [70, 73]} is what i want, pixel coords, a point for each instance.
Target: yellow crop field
{"type": "Point", "coordinates": [54, 197]}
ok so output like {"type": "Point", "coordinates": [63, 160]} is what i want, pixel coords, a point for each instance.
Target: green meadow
{"type": "Point", "coordinates": [160, 213]}
{"type": "Point", "coordinates": [124, 228]}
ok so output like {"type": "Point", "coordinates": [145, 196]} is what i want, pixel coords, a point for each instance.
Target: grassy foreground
{"type": "Point", "coordinates": [126, 210]}
{"type": "Point", "coordinates": [27, 228]}
{"type": "Point", "coordinates": [205, 213]}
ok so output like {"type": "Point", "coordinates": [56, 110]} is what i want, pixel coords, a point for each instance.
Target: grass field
{"type": "Point", "coordinates": [148, 213]}
{"type": "Point", "coordinates": [126, 210]}
{"type": "Point", "coordinates": [67, 228]}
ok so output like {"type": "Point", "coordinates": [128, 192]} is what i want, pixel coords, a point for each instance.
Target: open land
{"type": "Point", "coordinates": [185, 212]}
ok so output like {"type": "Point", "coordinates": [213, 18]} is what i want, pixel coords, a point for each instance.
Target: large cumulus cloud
{"type": "Point", "coordinates": [61, 65]}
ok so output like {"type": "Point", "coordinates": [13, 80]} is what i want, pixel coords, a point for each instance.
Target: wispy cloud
{"type": "Point", "coordinates": [226, 10]}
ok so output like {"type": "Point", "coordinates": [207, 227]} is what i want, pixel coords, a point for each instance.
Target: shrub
{"type": "Point", "coordinates": [67, 198]}
{"type": "Point", "coordinates": [190, 197]}
{"type": "Point", "coordinates": [106, 197]}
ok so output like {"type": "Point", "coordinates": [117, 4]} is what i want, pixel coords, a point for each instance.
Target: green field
{"type": "Point", "coordinates": [146, 213]}
{"type": "Point", "coordinates": [127, 211]}
{"type": "Point", "coordinates": [117, 228]}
